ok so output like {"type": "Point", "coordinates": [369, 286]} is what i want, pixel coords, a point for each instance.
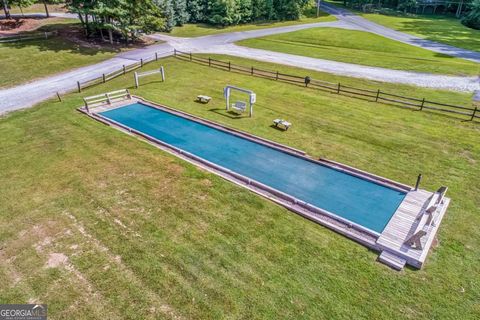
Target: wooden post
{"type": "Point", "coordinates": [378, 95]}
{"type": "Point", "coordinates": [58, 96]}
{"type": "Point", "coordinates": [209, 61]}
{"type": "Point", "coordinates": [252, 71]}
{"type": "Point", "coordinates": [423, 103]}
{"type": "Point", "coordinates": [276, 77]}
{"type": "Point", "coordinates": [419, 179]}
{"type": "Point", "coordinates": [141, 62]}
{"type": "Point", "coordinates": [136, 80]}
{"type": "Point", "coordinates": [124, 70]}
{"type": "Point", "coordinates": [162, 72]}
{"type": "Point", "coordinates": [191, 56]}
{"type": "Point", "coordinates": [156, 56]}
{"type": "Point", "coordinates": [104, 78]}
{"type": "Point", "coordinates": [338, 88]}
{"type": "Point", "coordinates": [174, 52]}
{"type": "Point", "coordinates": [229, 66]}
{"type": "Point", "coordinates": [79, 86]}
{"type": "Point", "coordinates": [473, 114]}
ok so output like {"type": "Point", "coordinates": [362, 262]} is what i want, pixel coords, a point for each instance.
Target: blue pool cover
{"type": "Point", "coordinates": [366, 203]}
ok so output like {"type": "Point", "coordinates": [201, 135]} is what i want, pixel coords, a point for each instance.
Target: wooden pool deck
{"type": "Point", "coordinates": [412, 215]}
{"type": "Point", "coordinates": [403, 224]}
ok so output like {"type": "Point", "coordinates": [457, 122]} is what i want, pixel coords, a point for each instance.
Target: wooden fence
{"type": "Point", "coordinates": [379, 96]}
{"type": "Point", "coordinates": [30, 36]}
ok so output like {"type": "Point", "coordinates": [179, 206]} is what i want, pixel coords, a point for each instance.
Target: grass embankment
{"type": "Point", "coordinates": [440, 28]}
{"type": "Point", "coordinates": [27, 60]}
{"type": "Point", "coordinates": [362, 48]}
{"type": "Point", "coordinates": [101, 225]}
{"type": "Point", "coordinates": [202, 29]}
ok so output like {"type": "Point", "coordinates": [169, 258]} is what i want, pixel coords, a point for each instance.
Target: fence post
{"type": "Point", "coordinates": [276, 77]}
{"type": "Point", "coordinates": [338, 88]}
{"type": "Point", "coordinates": [209, 61]}
{"type": "Point", "coordinates": [229, 66]}
{"type": "Point", "coordinates": [190, 56]}
{"type": "Point", "coordinates": [136, 80]}
{"type": "Point", "coordinates": [378, 95]}
{"type": "Point", "coordinates": [423, 102]}
{"type": "Point", "coordinates": [473, 114]}
{"type": "Point", "coordinates": [141, 62]}
{"type": "Point", "coordinates": [46, 35]}
{"type": "Point", "coordinates": [174, 52]}
{"type": "Point", "coordinates": [124, 70]}
{"type": "Point", "coordinates": [156, 56]}
{"type": "Point", "coordinates": [58, 96]}
{"type": "Point", "coordinates": [79, 86]}
{"type": "Point", "coordinates": [104, 78]}
{"type": "Point", "coordinates": [419, 179]}
{"type": "Point", "coordinates": [252, 71]}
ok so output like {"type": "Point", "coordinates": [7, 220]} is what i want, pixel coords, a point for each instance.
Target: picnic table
{"type": "Point", "coordinates": [283, 124]}
{"type": "Point", "coordinates": [203, 99]}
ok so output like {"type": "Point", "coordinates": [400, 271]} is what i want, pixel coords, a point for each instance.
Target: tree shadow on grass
{"type": "Point", "coordinates": [61, 42]}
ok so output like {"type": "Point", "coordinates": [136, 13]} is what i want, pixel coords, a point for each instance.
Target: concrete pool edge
{"type": "Point", "coordinates": [353, 231]}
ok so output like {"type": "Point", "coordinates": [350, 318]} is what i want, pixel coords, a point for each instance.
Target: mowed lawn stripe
{"type": "Point", "coordinates": [362, 48]}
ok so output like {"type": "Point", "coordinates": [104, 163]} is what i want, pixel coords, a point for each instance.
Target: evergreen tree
{"type": "Point", "coordinates": [197, 10]}
{"type": "Point", "coordinates": [181, 15]}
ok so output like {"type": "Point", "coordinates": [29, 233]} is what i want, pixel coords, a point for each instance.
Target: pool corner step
{"type": "Point", "coordinates": [392, 260]}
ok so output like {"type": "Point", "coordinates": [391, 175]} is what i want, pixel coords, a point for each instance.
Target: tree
{"type": "Point", "coordinates": [22, 4]}
{"type": "Point", "coordinates": [181, 15]}
{"type": "Point", "coordinates": [46, 3]}
{"type": "Point", "coordinates": [472, 18]}
{"type": "Point", "coordinates": [197, 10]}
{"type": "Point", "coordinates": [6, 9]}
{"type": "Point", "coordinates": [129, 18]}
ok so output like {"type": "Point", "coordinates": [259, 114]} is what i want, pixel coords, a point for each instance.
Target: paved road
{"type": "Point", "coordinates": [29, 94]}
{"type": "Point", "coordinates": [356, 21]}
{"type": "Point", "coordinates": [26, 95]}
{"type": "Point", "coordinates": [467, 84]}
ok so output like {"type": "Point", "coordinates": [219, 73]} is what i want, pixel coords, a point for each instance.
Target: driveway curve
{"type": "Point", "coordinates": [357, 22]}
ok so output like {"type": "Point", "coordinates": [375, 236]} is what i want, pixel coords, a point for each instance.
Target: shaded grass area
{"type": "Point", "coordinates": [362, 48]}
{"type": "Point", "coordinates": [440, 28]}
{"type": "Point", "coordinates": [39, 8]}
{"type": "Point", "coordinates": [202, 29]}
{"type": "Point", "coordinates": [27, 60]}
{"type": "Point", "coordinates": [137, 224]}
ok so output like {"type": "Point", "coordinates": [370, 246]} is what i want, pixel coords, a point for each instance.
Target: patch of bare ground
{"type": "Point", "coordinates": [157, 303]}
{"type": "Point", "coordinates": [11, 27]}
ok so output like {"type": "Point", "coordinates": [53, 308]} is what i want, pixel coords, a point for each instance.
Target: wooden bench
{"type": "Point", "coordinates": [203, 99]}
{"type": "Point", "coordinates": [426, 219]}
{"type": "Point", "coordinates": [239, 107]}
{"type": "Point", "coordinates": [280, 123]}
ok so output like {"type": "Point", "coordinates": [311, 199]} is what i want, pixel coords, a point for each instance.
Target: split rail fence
{"type": "Point", "coordinates": [470, 113]}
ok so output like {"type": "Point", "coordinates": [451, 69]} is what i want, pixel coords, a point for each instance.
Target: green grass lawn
{"type": "Point", "coordinates": [202, 29]}
{"type": "Point", "coordinates": [440, 28]}
{"type": "Point", "coordinates": [38, 8]}
{"type": "Point", "coordinates": [27, 60]}
{"type": "Point", "coordinates": [362, 48]}
{"type": "Point", "coordinates": [98, 224]}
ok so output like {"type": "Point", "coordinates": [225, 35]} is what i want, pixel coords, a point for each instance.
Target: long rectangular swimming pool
{"type": "Point", "coordinates": [364, 202]}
